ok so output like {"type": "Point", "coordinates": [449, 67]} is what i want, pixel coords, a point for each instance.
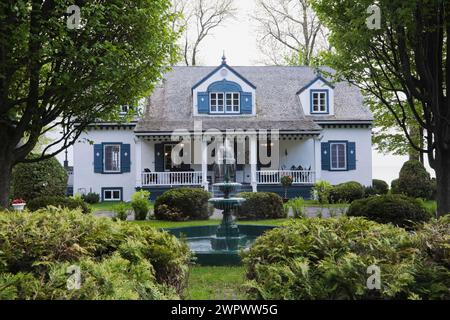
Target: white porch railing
{"type": "Point", "coordinates": [274, 176]}
{"type": "Point", "coordinates": [185, 178]}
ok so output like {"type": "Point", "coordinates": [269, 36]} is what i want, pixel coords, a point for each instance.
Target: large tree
{"type": "Point", "coordinates": [289, 32]}
{"type": "Point", "coordinates": [197, 20]}
{"type": "Point", "coordinates": [58, 73]}
{"type": "Point", "coordinates": [407, 58]}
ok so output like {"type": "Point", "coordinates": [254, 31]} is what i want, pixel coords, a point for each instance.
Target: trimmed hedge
{"type": "Point", "coordinates": [183, 204]}
{"type": "Point", "coordinates": [63, 202]}
{"type": "Point", "coordinates": [118, 260]}
{"type": "Point", "coordinates": [91, 198]}
{"type": "Point", "coordinates": [381, 187]}
{"type": "Point", "coordinates": [260, 205]}
{"type": "Point", "coordinates": [346, 192]}
{"type": "Point", "coordinates": [396, 209]}
{"type": "Point", "coordinates": [414, 181]}
{"type": "Point", "coordinates": [328, 259]}
{"type": "Point", "coordinates": [38, 179]}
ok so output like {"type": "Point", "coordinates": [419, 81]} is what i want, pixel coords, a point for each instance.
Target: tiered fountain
{"type": "Point", "coordinates": [220, 245]}
{"type": "Point", "coordinates": [227, 236]}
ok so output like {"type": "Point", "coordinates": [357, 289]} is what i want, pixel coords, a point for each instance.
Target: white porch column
{"type": "Point", "coordinates": [138, 162]}
{"type": "Point", "coordinates": [317, 159]}
{"type": "Point", "coordinates": [205, 164]}
{"type": "Point", "coordinates": [253, 161]}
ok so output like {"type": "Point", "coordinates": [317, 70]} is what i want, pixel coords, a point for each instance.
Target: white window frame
{"type": "Point", "coordinates": [104, 157]}
{"type": "Point", "coordinates": [337, 155]}
{"type": "Point", "coordinates": [232, 102]}
{"type": "Point", "coordinates": [225, 102]}
{"type": "Point", "coordinates": [112, 190]}
{"type": "Point", "coordinates": [319, 105]}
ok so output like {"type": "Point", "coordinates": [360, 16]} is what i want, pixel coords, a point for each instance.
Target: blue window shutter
{"type": "Point", "coordinates": [351, 156]}
{"type": "Point", "coordinates": [325, 154]}
{"type": "Point", "coordinates": [98, 158]}
{"type": "Point", "coordinates": [246, 103]}
{"type": "Point", "coordinates": [203, 102]}
{"type": "Point", "coordinates": [125, 156]}
{"type": "Point", "coordinates": [159, 157]}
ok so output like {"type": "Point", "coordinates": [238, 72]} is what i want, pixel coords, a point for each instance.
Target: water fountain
{"type": "Point", "coordinates": [220, 245]}
{"type": "Point", "coordinates": [227, 236]}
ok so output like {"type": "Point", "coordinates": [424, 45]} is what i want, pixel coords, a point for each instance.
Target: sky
{"type": "Point", "coordinates": [237, 38]}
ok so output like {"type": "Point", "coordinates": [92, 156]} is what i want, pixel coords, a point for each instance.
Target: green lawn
{"type": "Point", "coordinates": [108, 205]}
{"type": "Point", "coordinates": [175, 224]}
{"type": "Point", "coordinates": [215, 283]}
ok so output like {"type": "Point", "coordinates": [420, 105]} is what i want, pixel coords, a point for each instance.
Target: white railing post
{"type": "Point", "coordinates": [253, 161]}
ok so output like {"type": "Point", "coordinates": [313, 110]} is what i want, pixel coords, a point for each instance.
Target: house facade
{"type": "Point", "coordinates": [277, 120]}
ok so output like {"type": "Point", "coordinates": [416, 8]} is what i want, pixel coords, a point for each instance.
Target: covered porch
{"type": "Point", "coordinates": [297, 155]}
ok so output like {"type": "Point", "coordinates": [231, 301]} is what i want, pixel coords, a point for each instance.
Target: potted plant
{"type": "Point", "coordinates": [286, 182]}
{"type": "Point", "coordinates": [18, 204]}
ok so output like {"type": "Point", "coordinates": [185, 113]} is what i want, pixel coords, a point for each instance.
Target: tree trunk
{"type": "Point", "coordinates": [5, 179]}
{"type": "Point", "coordinates": [443, 181]}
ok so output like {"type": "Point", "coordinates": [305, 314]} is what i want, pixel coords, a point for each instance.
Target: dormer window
{"type": "Point", "coordinates": [319, 101]}
{"type": "Point", "coordinates": [224, 102]}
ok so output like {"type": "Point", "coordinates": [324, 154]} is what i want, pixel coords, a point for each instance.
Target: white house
{"type": "Point", "coordinates": [316, 130]}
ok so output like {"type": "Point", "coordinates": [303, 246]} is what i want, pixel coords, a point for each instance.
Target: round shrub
{"type": "Point", "coordinates": [347, 192]}
{"type": "Point", "coordinates": [91, 198]}
{"type": "Point", "coordinates": [414, 180]}
{"type": "Point", "coordinates": [328, 259]}
{"type": "Point", "coordinates": [183, 204]}
{"type": "Point", "coordinates": [381, 187]}
{"type": "Point", "coordinates": [118, 260]}
{"type": "Point", "coordinates": [260, 205]}
{"type": "Point", "coordinates": [396, 209]}
{"type": "Point", "coordinates": [63, 202]}
{"type": "Point", "coordinates": [321, 191]}
{"type": "Point", "coordinates": [394, 186]}
{"type": "Point", "coordinates": [37, 179]}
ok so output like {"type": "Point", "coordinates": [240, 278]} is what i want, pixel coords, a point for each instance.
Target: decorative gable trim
{"type": "Point", "coordinates": [328, 83]}
{"type": "Point", "coordinates": [217, 69]}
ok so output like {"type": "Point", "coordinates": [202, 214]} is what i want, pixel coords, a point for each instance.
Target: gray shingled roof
{"type": "Point", "coordinates": [277, 105]}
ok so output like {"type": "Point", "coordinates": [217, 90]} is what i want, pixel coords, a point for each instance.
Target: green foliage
{"type": "Point", "coordinates": [394, 186]}
{"type": "Point", "coordinates": [321, 191]}
{"type": "Point", "coordinates": [346, 192]}
{"type": "Point", "coordinates": [396, 209]}
{"type": "Point", "coordinates": [414, 180]}
{"type": "Point", "coordinates": [381, 187]}
{"type": "Point", "coordinates": [91, 198]}
{"type": "Point", "coordinates": [37, 179]}
{"type": "Point", "coordinates": [121, 212]}
{"type": "Point", "coordinates": [183, 204]}
{"type": "Point", "coordinates": [63, 202]}
{"type": "Point", "coordinates": [117, 260]}
{"type": "Point", "coordinates": [140, 204]}
{"type": "Point", "coordinates": [260, 205]}
{"type": "Point", "coordinates": [328, 259]}
{"type": "Point", "coordinates": [298, 206]}
{"type": "Point", "coordinates": [435, 240]}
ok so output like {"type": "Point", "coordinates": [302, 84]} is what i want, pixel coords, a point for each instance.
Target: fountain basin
{"type": "Point", "coordinates": [226, 203]}
{"type": "Point", "coordinates": [201, 241]}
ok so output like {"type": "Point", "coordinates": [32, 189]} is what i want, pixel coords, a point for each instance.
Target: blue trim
{"type": "Point", "coordinates": [311, 92]}
{"type": "Point", "coordinates": [112, 188]}
{"type": "Point", "coordinates": [328, 83]}
{"type": "Point", "coordinates": [224, 86]}
{"type": "Point", "coordinates": [346, 155]}
{"type": "Point", "coordinates": [217, 69]}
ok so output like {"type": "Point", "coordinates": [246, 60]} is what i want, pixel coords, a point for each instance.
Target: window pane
{"type": "Point", "coordinates": [108, 195]}
{"type": "Point", "coordinates": [112, 158]}
{"type": "Point", "coordinates": [229, 102]}
{"type": "Point", "coordinates": [168, 157]}
{"type": "Point", "coordinates": [338, 157]}
{"type": "Point", "coordinates": [116, 194]}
